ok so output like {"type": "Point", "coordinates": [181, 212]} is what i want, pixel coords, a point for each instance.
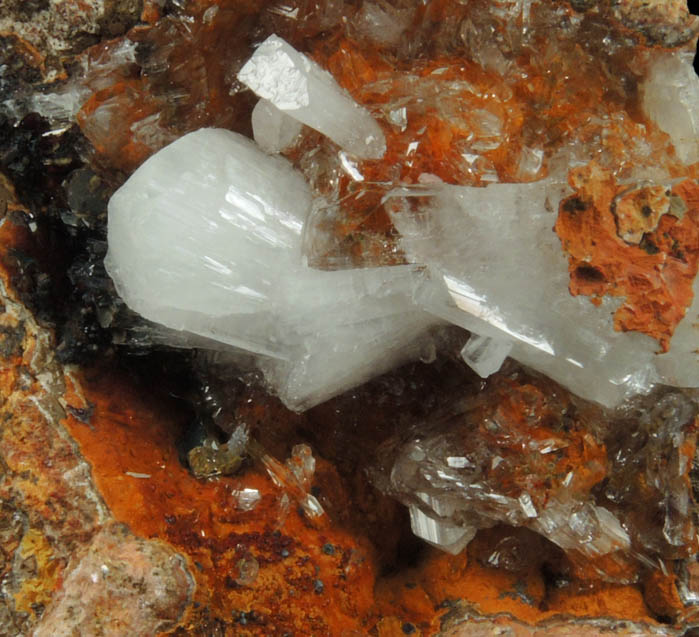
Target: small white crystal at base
{"type": "Point", "coordinates": [273, 129]}
{"type": "Point", "coordinates": [441, 534]}
{"type": "Point", "coordinates": [485, 354]}
{"type": "Point", "coordinates": [296, 85]}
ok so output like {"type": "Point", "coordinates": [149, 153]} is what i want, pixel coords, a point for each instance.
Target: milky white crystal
{"type": "Point", "coordinates": [205, 238]}
{"type": "Point", "coordinates": [348, 326]}
{"type": "Point", "coordinates": [296, 85]}
{"type": "Point", "coordinates": [273, 129]}
{"type": "Point", "coordinates": [496, 268]}
{"type": "Point", "coordinates": [671, 100]}
{"type": "Point", "coordinates": [440, 533]}
{"type": "Point", "coordinates": [200, 233]}
{"type": "Point", "coordinates": [680, 366]}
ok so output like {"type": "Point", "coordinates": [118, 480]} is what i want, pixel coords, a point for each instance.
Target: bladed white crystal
{"type": "Point", "coordinates": [441, 534]}
{"type": "Point", "coordinates": [671, 100]}
{"type": "Point", "coordinates": [273, 129]}
{"type": "Point", "coordinates": [296, 85]}
{"type": "Point", "coordinates": [205, 238]}
{"type": "Point", "coordinates": [496, 268]}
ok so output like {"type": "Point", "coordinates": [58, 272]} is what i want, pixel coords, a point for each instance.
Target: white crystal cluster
{"type": "Point", "coordinates": [496, 268]}
{"type": "Point", "coordinates": [205, 238]}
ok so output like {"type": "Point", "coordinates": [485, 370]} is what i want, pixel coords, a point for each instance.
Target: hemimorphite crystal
{"type": "Point", "coordinates": [497, 269]}
{"type": "Point", "coordinates": [273, 129]}
{"type": "Point", "coordinates": [205, 238]}
{"type": "Point", "coordinates": [296, 85]}
{"type": "Point", "coordinates": [671, 99]}
{"type": "Point", "coordinates": [449, 504]}
{"type": "Point", "coordinates": [511, 454]}
{"type": "Point", "coordinates": [199, 235]}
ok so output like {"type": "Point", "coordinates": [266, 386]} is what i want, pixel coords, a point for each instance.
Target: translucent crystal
{"type": "Point", "coordinates": [587, 528]}
{"type": "Point", "coordinates": [246, 499]}
{"type": "Point", "coordinates": [238, 442]}
{"type": "Point", "coordinates": [448, 503]}
{"type": "Point", "coordinates": [383, 23]}
{"type": "Point", "coordinates": [496, 268]}
{"type": "Point", "coordinates": [688, 584]}
{"type": "Point", "coordinates": [671, 99]}
{"type": "Point", "coordinates": [273, 129]}
{"type": "Point", "coordinates": [653, 453]}
{"type": "Point", "coordinates": [205, 238]}
{"type": "Point", "coordinates": [302, 464]}
{"type": "Point", "coordinates": [286, 478]}
{"type": "Point", "coordinates": [247, 568]}
{"type": "Point", "coordinates": [302, 89]}
{"type": "Point", "coordinates": [485, 354]}
{"type": "Point", "coordinates": [510, 455]}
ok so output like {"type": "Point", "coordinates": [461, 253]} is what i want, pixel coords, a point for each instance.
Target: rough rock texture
{"type": "Point", "coordinates": [50, 506]}
{"type": "Point", "coordinates": [54, 29]}
{"type": "Point", "coordinates": [119, 585]}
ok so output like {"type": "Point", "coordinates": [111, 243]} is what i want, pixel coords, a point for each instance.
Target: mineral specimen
{"type": "Point", "coordinates": [298, 87]}
{"type": "Point", "coordinates": [228, 267]}
{"type": "Point", "coordinates": [529, 456]}
{"type": "Point", "coordinates": [525, 170]}
{"type": "Point", "coordinates": [532, 302]}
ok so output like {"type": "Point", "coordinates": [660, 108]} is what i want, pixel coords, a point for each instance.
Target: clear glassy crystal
{"type": "Point", "coordinates": [296, 85]}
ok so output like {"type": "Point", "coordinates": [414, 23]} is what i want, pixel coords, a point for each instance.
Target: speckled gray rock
{"type": "Point", "coordinates": [120, 585]}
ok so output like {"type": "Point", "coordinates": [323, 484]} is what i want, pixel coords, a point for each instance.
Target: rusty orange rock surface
{"type": "Point", "coordinates": [129, 438]}
{"type": "Point", "coordinates": [654, 274]}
